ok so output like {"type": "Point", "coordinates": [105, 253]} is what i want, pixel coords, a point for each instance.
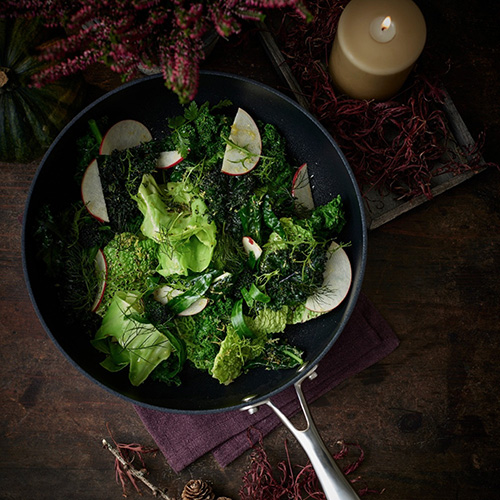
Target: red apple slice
{"type": "Point", "coordinates": [245, 146]}
{"type": "Point", "coordinates": [195, 308]}
{"type": "Point", "coordinates": [336, 281]}
{"type": "Point", "coordinates": [166, 293]}
{"type": "Point", "coordinates": [123, 135]}
{"type": "Point", "coordinates": [251, 246]}
{"type": "Point", "coordinates": [168, 159]}
{"type": "Point", "coordinates": [301, 189]}
{"type": "Point", "coordinates": [92, 194]}
{"type": "Point", "coordinates": [101, 268]}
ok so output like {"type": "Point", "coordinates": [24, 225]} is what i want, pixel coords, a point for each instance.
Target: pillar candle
{"type": "Point", "coordinates": [376, 45]}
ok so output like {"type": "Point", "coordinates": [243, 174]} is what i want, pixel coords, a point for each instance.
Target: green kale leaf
{"type": "Point", "coordinates": [204, 333]}
{"type": "Point", "coordinates": [291, 268]}
{"type": "Point", "coordinates": [328, 218]}
{"type": "Point", "coordinates": [121, 174]}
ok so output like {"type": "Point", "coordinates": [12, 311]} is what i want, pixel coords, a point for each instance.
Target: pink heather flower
{"type": "Point", "coordinates": [124, 34]}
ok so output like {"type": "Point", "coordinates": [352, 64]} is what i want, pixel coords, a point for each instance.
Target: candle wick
{"type": "Point", "coordinates": [386, 23]}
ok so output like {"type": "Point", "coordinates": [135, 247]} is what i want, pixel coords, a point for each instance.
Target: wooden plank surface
{"type": "Point", "coordinates": [427, 416]}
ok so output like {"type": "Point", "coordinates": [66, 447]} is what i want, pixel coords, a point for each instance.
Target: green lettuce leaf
{"type": "Point", "coordinates": [176, 217]}
{"type": "Point", "coordinates": [128, 341]}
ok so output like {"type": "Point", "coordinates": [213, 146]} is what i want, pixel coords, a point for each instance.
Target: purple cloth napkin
{"type": "Point", "coordinates": [183, 438]}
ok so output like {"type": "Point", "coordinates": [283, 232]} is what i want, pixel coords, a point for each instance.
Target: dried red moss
{"type": "Point", "coordinates": [286, 481]}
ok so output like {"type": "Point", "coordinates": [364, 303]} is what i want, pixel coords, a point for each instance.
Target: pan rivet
{"type": "Point", "coordinates": [252, 410]}
{"type": "Point", "coordinates": [312, 376]}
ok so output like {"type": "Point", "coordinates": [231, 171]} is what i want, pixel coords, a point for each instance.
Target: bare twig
{"type": "Point", "coordinates": [157, 492]}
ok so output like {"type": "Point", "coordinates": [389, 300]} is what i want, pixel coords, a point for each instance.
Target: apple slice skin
{"type": "Point", "coordinates": [301, 189]}
{"type": "Point", "coordinates": [168, 159]}
{"type": "Point", "coordinates": [166, 293]}
{"type": "Point", "coordinates": [336, 283]}
{"type": "Point", "coordinates": [101, 267]}
{"type": "Point", "coordinates": [195, 308]}
{"type": "Point", "coordinates": [92, 193]}
{"type": "Point", "coordinates": [123, 135]}
{"type": "Point", "coordinates": [245, 134]}
{"type": "Point", "coordinates": [251, 246]}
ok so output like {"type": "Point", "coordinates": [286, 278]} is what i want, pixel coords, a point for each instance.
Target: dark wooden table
{"type": "Point", "coordinates": [427, 416]}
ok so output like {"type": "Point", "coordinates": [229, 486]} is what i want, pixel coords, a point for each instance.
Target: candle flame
{"type": "Point", "coordinates": [386, 23]}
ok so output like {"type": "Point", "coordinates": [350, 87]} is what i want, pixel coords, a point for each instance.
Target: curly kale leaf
{"type": "Point", "coordinates": [204, 333]}
{"type": "Point", "coordinates": [328, 218]}
{"type": "Point", "coordinates": [251, 218]}
{"type": "Point", "coordinates": [87, 145]}
{"type": "Point", "coordinates": [225, 195]}
{"type": "Point", "coordinates": [275, 172]}
{"type": "Point", "coordinates": [288, 287]}
{"type": "Point", "coordinates": [291, 268]}
{"type": "Point", "coordinates": [121, 174]}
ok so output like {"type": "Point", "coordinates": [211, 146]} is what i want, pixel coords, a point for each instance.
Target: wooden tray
{"type": "Point", "coordinates": [381, 209]}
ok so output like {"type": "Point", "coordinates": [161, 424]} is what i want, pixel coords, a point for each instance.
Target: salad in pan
{"type": "Point", "coordinates": [195, 248]}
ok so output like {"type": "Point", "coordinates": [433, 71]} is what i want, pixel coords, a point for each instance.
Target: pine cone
{"type": "Point", "coordinates": [196, 489]}
{"type": "Point", "coordinates": [223, 498]}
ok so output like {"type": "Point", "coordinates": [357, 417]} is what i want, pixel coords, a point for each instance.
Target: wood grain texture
{"type": "Point", "coordinates": [427, 416]}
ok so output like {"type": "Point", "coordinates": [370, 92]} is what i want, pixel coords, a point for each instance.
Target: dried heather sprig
{"type": "Point", "coordinates": [126, 35]}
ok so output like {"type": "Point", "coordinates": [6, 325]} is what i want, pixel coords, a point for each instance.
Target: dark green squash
{"type": "Point", "coordinates": [30, 117]}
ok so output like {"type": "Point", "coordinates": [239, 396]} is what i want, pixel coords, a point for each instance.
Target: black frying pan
{"type": "Point", "coordinates": [148, 101]}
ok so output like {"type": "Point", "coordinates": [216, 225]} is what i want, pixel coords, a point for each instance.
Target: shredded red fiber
{"type": "Point", "coordinates": [291, 482]}
{"type": "Point", "coordinates": [396, 146]}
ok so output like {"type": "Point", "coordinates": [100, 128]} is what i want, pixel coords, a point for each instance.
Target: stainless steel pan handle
{"type": "Point", "coordinates": [335, 485]}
